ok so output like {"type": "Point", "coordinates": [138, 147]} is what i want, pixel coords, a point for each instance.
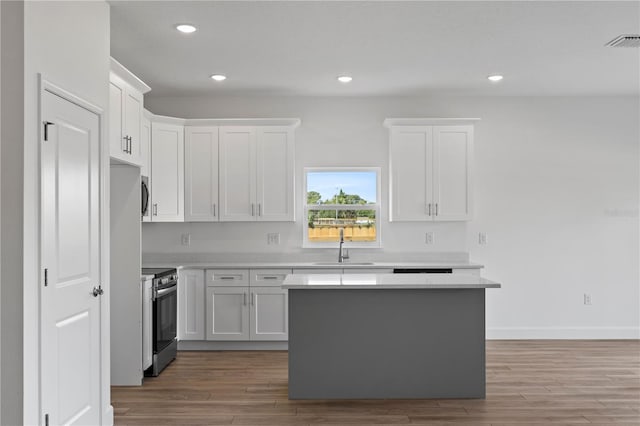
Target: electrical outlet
{"type": "Point", "coordinates": [273, 238]}
{"type": "Point", "coordinates": [587, 299]}
{"type": "Point", "coordinates": [482, 238]}
{"type": "Point", "coordinates": [186, 239]}
{"type": "Point", "coordinates": [428, 238]}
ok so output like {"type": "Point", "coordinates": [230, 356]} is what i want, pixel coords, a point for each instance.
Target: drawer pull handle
{"type": "Point", "coordinates": [227, 278]}
{"type": "Point", "coordinates": [269, 278]}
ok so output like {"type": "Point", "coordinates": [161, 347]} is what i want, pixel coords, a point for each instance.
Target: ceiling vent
{"type": "Point", "coordinates": [626, 40]}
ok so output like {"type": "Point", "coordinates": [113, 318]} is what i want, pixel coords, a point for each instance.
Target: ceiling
{"type": "Point", "coordinates": [390, 48]}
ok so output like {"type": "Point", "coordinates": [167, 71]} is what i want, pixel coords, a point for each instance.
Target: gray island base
{"type": "Point", "coordinates": [375, 338]}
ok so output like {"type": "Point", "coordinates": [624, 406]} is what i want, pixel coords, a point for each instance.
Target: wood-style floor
{"type": "Point", "coordinates": [528, 382]}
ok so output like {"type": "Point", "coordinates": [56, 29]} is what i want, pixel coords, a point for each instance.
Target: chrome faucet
{"type": "Point", "coordinates": [342, 253]}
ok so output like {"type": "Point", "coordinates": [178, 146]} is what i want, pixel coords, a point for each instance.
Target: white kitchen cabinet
{"type": "Point", "coordinates": [269, 313]}
{"type": "Point", "coordinates": [201, 174]}
{"type": "Point", "coordinates": [227, 313]}
{"type": "Point", "coordinates": [145, 145]}
{"type": "Point", "coordinates": [147, 323]}
{"type": "Point", "coordinates": [191, 304]}
{"type": "Point", "coordinates": [125, 114]}
{"type": "Point", "coordinates": [167, 172]}
{"type": "Point", "coordinates": [256, 173]}
{"type": "Point", "coordinates": [430, 172]}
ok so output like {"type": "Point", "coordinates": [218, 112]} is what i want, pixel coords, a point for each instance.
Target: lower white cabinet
{"type": "Point", "coordinates": [191, 304]}
{"type": "Point", "coordinates": [269, 314]}
{"type": "Point", "coordinates": [227, 313]}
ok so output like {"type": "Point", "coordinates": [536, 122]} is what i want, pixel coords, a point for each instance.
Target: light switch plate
{"type": "Point", "coordinates": [482, 238]}
{"type": "Point", "coordinates": [186, 239]}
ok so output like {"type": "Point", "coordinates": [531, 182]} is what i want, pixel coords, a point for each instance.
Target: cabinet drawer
{"type": "Point", "coordinates": [267, 277]}
{"type": "Point", "coordinates": [227, 277]}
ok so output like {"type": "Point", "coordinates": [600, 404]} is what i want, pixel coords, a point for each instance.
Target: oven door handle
{"type": "Point", "coordinates": [165, 291]}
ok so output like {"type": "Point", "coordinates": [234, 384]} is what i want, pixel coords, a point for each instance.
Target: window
{"type": "Point", "coordinates": [342, 198]}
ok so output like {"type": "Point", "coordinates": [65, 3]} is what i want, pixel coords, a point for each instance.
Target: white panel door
{"type": "Point", "coordinates": [167, 172]}
{"type": "Point", "coordinates": [132, 124]}
{"type": "Point", "coordinates": [201, 174]}
{"type": "Point", "coordinates": [411, 177]}
{"type": "Point", "coordinates": [237, 174]}
{"type": "Point", "coordinates": [453, 150]}
{"type": "Point", "coordinates": [269, 313]}
{"type": "Point", "coordinates": [275, 180]}
{"type": "Point", "coordinates": [191, 304]}
{"type": "Point", "coordinates": [117, 142]}
{"type": "Point", "coordinates": [227, 313]}
{"type": "Point", "coordinates": [70, 227]}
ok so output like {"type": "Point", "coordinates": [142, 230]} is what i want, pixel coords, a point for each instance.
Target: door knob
{"type": "Point", "coordinates": [97, 291]}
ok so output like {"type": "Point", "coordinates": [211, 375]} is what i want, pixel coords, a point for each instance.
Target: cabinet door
{"type": "Point", "coordinates": [191, 301]}
{"type": "Point", "coordinates": [145, 148]}
{"type": "Point", "coordinates": [201, 174]}
{"type": "Point", "coordinates": [410, 173]}
{"type": "Point", "coordinates": [147, 324]}
{"type": "Point", "coordinates": [227, 313]}
{"type": "Point", "coordinates": [452, 158]}
{"type": "Point", "coordinates": [133, 123]}
{"type": "Point", "coordinates": [269, 313]}
{"type": "Point", "coordinates": [167, 172]}
{"type": "Point", "coordinates": [237, 174]}
{"type": "Point", "coordinates": [275, 164]}
{"type": "Point", "coordinates": [117, 143]}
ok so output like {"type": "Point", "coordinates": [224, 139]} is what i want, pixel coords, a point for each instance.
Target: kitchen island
{"type": "Point", "coordinates": [367, 336]}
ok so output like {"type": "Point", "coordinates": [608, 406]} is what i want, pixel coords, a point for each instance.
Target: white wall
{"type": "Point", "coordinates": [11, 113]}
{"type": "Point", "coordinates": [68, 42]}
{"type": "Point", "coordinates": [556, 190]}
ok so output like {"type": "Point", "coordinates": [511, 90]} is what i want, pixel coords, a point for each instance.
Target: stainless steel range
{"type": "Point", "coordinates": [165, 317]}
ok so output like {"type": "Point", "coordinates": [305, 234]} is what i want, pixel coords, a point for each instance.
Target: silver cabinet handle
{"type": "Point", "coordinates": [227, 278]}
{"type": "Point", "coordinates": [214, 210]}
{"type": "Point", "coordinates": [126, 144]}
{"type": "Point", "coordinates": [429, 209]}
{"type": "Point", "coordinates": [259, 209]}
{"type": "Point", "coordinates": [155, 209]}
{"type": "Point", "coordinates": [253, 209]}
{"type": "Point", "coordinates": [269, 278]}
{"type": "Point", "coordinates": [253, 299]}
{"type": "Point", "coordinates": [130, 145]}
{"type": "Point", "coordinates": [436, 209]}
{"type": "Point", "coordinates": [244, 299]}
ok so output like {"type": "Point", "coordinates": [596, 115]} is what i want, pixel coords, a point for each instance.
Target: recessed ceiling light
{"type": "Point", "coordinates": [186, 28]}
{"type": "Point", "coordinates": [345, 79]}
{"type": "Point", "coordinates": [495, 77]}
{"type": "Point", "coordinates": [219, 77]}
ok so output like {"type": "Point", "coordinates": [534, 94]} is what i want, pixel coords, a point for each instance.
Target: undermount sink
{"type": "Point", "coordinates": [344, 263]}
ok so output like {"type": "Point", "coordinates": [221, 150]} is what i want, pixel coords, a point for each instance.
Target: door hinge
{"type": "Point", "coordinates": [46, 277]}
{"type": "Point", "coordinates": [46, 420]}
{"type": "Point", "coordinates": [46, 129]}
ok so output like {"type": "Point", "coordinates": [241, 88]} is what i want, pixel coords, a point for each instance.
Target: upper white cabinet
{"type": "Point", "coordinates": [430, 171]}
{"type": "Point", "coordinates": [125, 114]}
{"type": "Point", "coordinates": [201, 174]}
{"type": "Point", "coordinates": [167, 172]}
{"type": "Point", "coordinates": [256, 173]}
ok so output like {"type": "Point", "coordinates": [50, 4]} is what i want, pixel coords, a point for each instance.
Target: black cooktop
{"type": "Point", "coordinates": [158, 272]}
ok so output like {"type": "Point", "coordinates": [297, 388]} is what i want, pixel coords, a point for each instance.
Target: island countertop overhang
{"type": "Point", "coordinates": [386, 281]}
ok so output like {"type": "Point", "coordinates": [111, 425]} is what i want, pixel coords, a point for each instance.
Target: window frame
{"type": "Point", "coordinates": [377, 207]}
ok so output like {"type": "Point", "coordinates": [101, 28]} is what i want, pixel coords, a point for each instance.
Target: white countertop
{"type": "Point", "coordinates": [386, 281]}
{"type": "Point", "coordinates": [318, 265]}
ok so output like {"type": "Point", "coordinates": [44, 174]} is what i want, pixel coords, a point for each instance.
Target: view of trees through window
{"type": "Point", "coordinates": [339, 208]}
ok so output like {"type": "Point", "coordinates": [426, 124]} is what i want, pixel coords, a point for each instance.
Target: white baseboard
{"type": "Point", "coordinates": [202, 345]}
{"type": "Point", "coordinates": [107, 416]}
{"type": "Point", "coordinates": [520, 333]}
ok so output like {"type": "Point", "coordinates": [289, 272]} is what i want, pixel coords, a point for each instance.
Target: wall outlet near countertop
{"type": "Point", "coordinates": [428, 238]}
{"type": "Point", "coordinates": [482, 238]}
{"type": "Point", "coordinates": [186, 239]}
{"type": "Point", "coordinates": [273, 238]}
{"type": "Point", "coordinates": [587, 299]}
